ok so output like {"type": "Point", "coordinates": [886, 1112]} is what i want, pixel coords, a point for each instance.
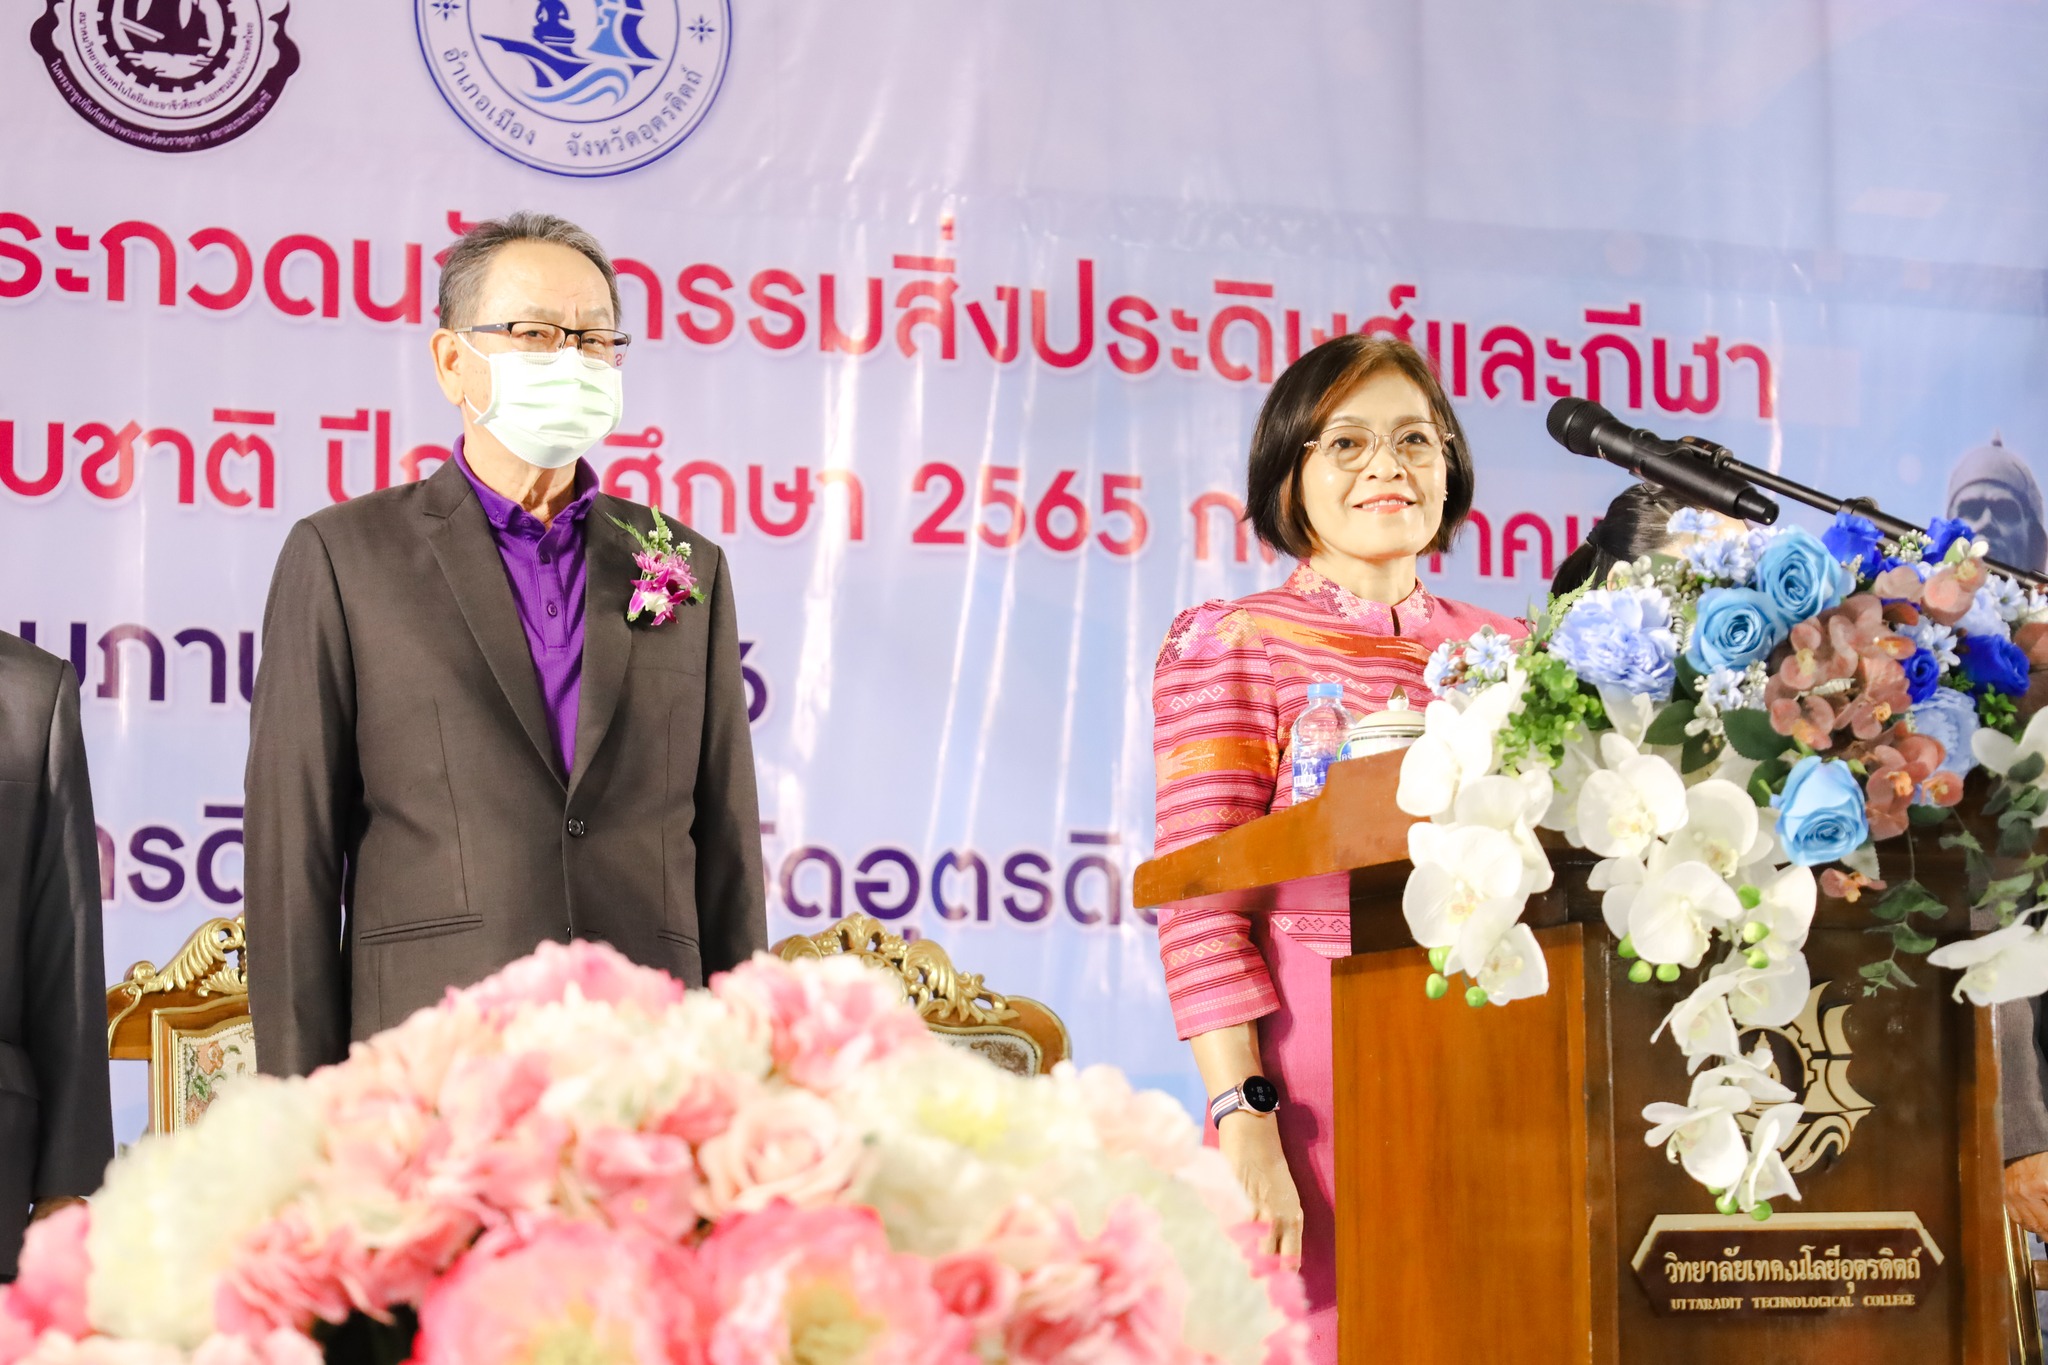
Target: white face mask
{"type": "Point", "coordinates": [549, 408]}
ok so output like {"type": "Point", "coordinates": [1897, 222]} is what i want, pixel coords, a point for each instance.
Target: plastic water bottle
{"type": "Point", "coordinates": [1319, 734]}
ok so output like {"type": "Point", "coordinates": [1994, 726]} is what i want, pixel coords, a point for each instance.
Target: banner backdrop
{"type": "Point", "coordinates": [952, 324]}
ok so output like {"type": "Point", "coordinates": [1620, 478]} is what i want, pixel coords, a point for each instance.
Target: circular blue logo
{"type": "Point", "coordinates": [578, 87]}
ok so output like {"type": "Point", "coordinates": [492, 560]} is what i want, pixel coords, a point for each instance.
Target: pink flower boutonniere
{"type": "Point", "coordinates": [666, 581]}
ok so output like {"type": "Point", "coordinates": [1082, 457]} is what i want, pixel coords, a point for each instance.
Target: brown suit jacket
{"type": "Point", "coordinates": [408, 824]}
{"type": "Point", "coordinates": [56, 1125]}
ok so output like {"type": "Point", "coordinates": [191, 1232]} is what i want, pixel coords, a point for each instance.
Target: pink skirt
{"type": "Point", "coordinates": [1294, 1045]}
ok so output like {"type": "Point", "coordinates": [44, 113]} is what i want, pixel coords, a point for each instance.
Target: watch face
{"type": "Point", "coordinates": [1261, 1094]}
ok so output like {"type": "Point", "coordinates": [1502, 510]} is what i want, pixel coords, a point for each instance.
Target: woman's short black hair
{"type": "Point", "coordinates": [1302, 400]}
{"type": "Point", "coordinates": [1637, 524]}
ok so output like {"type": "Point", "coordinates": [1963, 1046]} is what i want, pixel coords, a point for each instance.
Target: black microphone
{"type": "Point", "coordinates": [1585, 428]}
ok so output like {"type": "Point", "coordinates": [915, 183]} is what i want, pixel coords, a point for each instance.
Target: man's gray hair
{"type": "Point", "coordinates": [469, 260]}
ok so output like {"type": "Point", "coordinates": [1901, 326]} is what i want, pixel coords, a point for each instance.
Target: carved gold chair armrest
{"type": "Point", "coordinates": [189, 1020]}
{"type": "Point", "coordinates": [1015, 1032]}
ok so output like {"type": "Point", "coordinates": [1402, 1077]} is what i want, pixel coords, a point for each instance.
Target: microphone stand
{"type": "Point", "coordinates": [1720, 457]}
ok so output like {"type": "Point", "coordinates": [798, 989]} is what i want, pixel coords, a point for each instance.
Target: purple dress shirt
{"type": "Point", "coordinates": [544, 564]}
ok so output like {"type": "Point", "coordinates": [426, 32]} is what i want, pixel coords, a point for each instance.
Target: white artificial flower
{"type": "Point", "coordinates": [1785, 910]}
{"type": "Point", "coordinates": [1462, 873]}
{"type": "Point", "coordinates": [1749, 1073]}
{"type": "Point", "coordinates": [1514, 969]}
{"type": "Point", "coordinates": [2005, 964]}
{"type": "Point", "coordinates": [1985, 616]}
{"type": "Point", "coordinates": [2007, 597]}
{"type": "Point", "coordinates": [1936, 639]}
{"type": "Point", "coordinates": [166, 1224]}
{"type": "Point", "coordinates": [1701, 1025]}
{"type": "Point", "coordinates": [1676, 911]}
{"type": "Point", "coordinates": [1703, 1136]}
{"type": "Point", "coordinates": [1455, 747]}
{"type": "Point", "coordinates": [1764, 1174]}
{"type": "Point", "coordinates": [1633, 799]}
{"type": "Point", "coordinates": [1999, 752]}
{"type": "Point", "coordinates": [1580, 760]}
{"type": "Point", "coordinates": [1630, 713]}
{"type": "Point", "coordinates": [1618, 880]}
{"type": "Point", "coordinates": [1766, 997]}
{"type": "Point", "coordinates": [1514, 806]}
{"type": "Point", "coordinates": [1720, 828]}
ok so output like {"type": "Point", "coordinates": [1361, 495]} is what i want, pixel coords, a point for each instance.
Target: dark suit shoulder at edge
{"type": "Point", "coordinates": [381, 508]}
{"type": "Point", "coordinates": [21, 660]}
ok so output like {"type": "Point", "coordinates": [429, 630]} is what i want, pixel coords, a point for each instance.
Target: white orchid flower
{"type": "Point", "coordinates": [1676, 910]}
{"type": "Point", "coordinates": [2005, 964]}
{"type": "Point", "coordinates": [1618, 880]}
{"type": "Point", "coordinates": [1766, 997]}
{"type": "Point", "coordinates": [1630, 713]}
{"type": "Point", "coordinates": [1580, 760]}
{"type": "Point", "coordinates": [1701, 1024]}
{"type": "Point", "coordinates": [1512, 805]}
{"type": "Point", "coordinates": [1703, 1136]}
{"type": "Point", "coordinates": [1633, 800]}
{"type": "Point", "coordinates": [1765, 1175]}
{"type": "Point", "coordinates": [1999, 752]}
{"type": "Point", "coordinates": [1456, 747]}
{"type": "Point", "coordinates": [1720, 829]}
{"type": "Point", "coordinates": [1751, 1073]}
{"type": "Point", "coordinates": [1785, 911]}
{"type": "Point", "coordinates": [1514, 969]}
{"type": "Point", "coordinates": [1459, 870]}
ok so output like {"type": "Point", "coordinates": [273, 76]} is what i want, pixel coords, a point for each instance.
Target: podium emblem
{"type": "Point", "coordinates": [1811, 1058]}
{"type": "Point", "coordinates": [1704, 1264]}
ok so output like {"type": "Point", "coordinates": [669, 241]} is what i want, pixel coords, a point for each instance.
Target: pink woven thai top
{"type": "Point", "coordinates": [1231, 678]}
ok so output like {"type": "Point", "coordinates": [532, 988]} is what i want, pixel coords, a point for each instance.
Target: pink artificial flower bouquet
{"type": "Point", "coordinates": [578, 1159]}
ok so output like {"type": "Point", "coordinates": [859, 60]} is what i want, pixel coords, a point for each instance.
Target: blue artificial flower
{"type": "Point", "coordinates": [1943, 532]}
{"type": "Point", "coordinates": [1723, 558]}
{"type": "Point", "coordinates": [1994, 665]}
{"type": "Point", "coordinates": [1923, 675]}
{"type": "Point", "coordinates": [1853, 540]}
{"type": "Point", "coordinates": [1692, 521]}
{"type": "Point", "coordinates": [1620, 637]}
{"type": "Point", "coordinates": [1490, 653]}
{"type": "Point", "coordinates": [1936, 639]}
{"type": "Point", "coordinates": [1440, 661]}
{"type": "Point", "coordinates": [1820, 812]}
{"type": "Point", "coordinates": [1985, 616]}
{"type": "Point", "coordinates": [1950, 717]}
{"type": "Point", "coordinates": [1735, 627]}
{"type": "Point", "coordinates": [1800, 577]}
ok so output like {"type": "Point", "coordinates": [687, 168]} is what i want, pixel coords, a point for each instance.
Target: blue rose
{"type": "Point", "coordinates": [1620, 637]}
{"type": "Point", "coordinates": [1951, 717]}
{"type": "Point", "coordinates": [1923, 675]}
{"type": "Point", "coordinates": [1800, 577]}
{"type": "Point", "coordinates": [1994, 665]}
{"type": "Point", "coordinates": [1735, 628]}
{"type": "Point", "coordinates": [1820, 812]}
{"type": "Point", "coordinates": [1854, 540]}
{"type": "Point", "coordinates": [1943, 532]}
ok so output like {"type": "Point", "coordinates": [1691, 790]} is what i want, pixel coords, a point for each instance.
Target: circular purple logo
{"type": "Point", "coordinates": [167, 75]}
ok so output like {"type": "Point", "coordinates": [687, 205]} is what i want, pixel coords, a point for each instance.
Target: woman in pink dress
{"type": "Point", "coordinates": [1358, 466]}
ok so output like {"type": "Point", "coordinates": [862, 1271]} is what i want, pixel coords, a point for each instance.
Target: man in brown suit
{"type": "Point", "coordinates": [56, 1124]}
{"type": "Point", "coordinates": [459, 747]}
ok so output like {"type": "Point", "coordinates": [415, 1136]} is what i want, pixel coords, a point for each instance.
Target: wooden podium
{"type": "Point", "coordinates": [1496, 1200]}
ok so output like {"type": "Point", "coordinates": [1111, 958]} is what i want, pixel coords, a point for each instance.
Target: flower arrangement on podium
{"type": "Point", "coordinates": [1733, 728]}
{"type": "Point", "coordinates": [578, 1160]}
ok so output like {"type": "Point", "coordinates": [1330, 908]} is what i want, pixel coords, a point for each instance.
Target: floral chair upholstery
{"type": "Point", "coordinates": [1018, 1034]}
{"type": "Point", "coordinates": [189, 1021]}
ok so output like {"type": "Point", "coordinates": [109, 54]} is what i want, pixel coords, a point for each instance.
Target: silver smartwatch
{"type": "Point", "coordinates": [1256, 1095]}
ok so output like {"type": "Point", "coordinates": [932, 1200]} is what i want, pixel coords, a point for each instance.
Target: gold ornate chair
{"type": "Point", "coordinates": [1018, 1034]}
{"type": "Point", "coordinates": [189, 1021]}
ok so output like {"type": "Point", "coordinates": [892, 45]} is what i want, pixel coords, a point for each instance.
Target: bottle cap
{"type": "Point", "coordinates": [1325, 689]}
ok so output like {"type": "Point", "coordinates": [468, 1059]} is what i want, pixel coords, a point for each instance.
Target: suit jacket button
{"type": "Point", "coordinates": [577, 829]}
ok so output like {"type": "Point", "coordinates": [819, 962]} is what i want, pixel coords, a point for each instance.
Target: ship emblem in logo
{"type": "Point", "coordinates": [578, 87]}
{"type": "Point", "coordinates": [167, 75]}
